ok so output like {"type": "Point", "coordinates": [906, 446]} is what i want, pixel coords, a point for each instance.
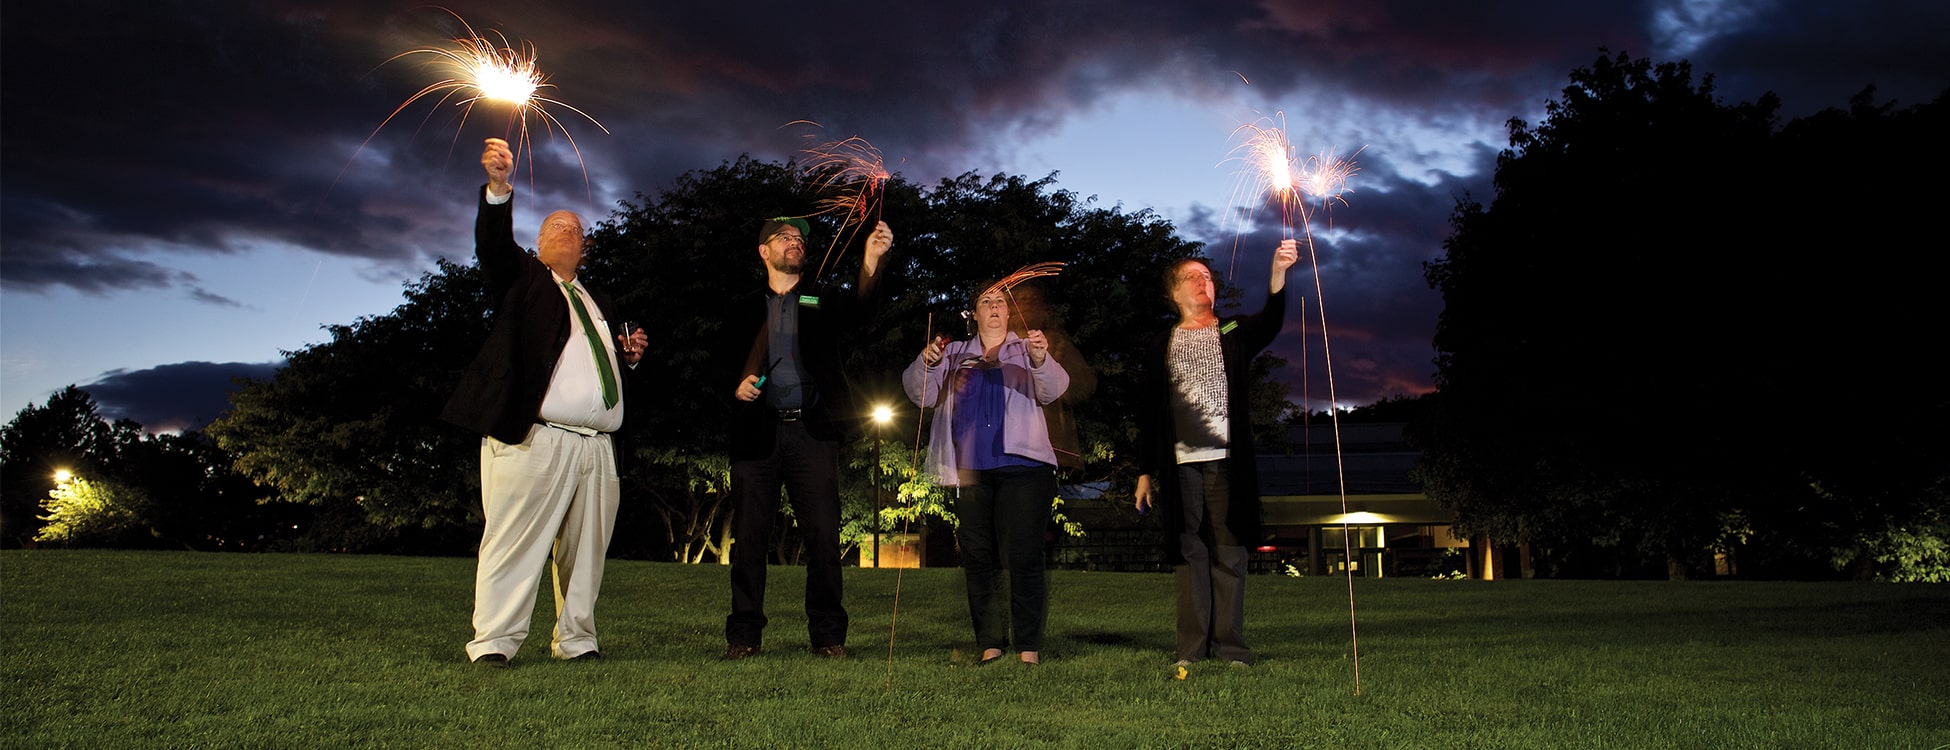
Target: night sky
{"type": "Point", "coordinates": [187, 189]}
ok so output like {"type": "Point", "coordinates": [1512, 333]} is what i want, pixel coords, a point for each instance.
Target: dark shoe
{"type": "Point", "coordinates": [735, 652]}
{"type": "Point", "coordinates": [587, 656]}
{"type": "Point", "coordinates": [835, 651]}
{"type": "Point", "coordinates": [492, 661]}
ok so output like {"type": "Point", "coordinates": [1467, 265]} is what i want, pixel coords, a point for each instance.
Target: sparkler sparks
{"type": "Point", "coordinates": [852, 163]}
{"type": "Point", "coordinates": [1009, 283]}
{"type": "Point", "coordinates": [478, 69]}
{"type": "Point", "coordinates": [850, 176]}
{"type": "Point", "coordinates": [1272, 170]}
{"type": "Point", "coordinates": [1325, 177]}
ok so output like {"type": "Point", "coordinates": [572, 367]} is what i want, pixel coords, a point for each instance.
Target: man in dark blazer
{"type": "Point", "coordinates": [1195, 453]}
{"type": "Point", "coordinates": [790, 408]}
{"type": "Point", "coordinates": [546, 392]}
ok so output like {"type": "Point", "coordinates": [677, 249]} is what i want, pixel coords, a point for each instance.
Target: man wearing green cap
{"type": "Point", "coordinates": [790, 407]}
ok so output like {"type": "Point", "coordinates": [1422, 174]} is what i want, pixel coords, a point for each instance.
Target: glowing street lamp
{"type": "Point", "coordinates": [882, 414]}
{"type": "Point", "coordinates": [62, 476]}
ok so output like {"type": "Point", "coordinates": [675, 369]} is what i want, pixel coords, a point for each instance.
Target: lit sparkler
{"type": "Point", "coordinates": [850, 176]}
{"type": "Point", "coordinates": [1271, 171]}
{"type": "Point", "coordinates": [478, 69]}
{"type": "Point", "coordinates": [849, 164]}
{"type": "Point", "coordinates": [1009, 283]}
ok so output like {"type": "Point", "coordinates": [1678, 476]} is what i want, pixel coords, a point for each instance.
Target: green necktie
{"type": "Point", "coordinates": [596, 343]}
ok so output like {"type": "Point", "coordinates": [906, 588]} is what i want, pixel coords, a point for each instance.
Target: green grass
{"type": "Point", "coordinates": [144, 649]}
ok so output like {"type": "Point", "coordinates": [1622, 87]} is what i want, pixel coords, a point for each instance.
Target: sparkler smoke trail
{"type": "Point", "coordinates": [480, 70]}
{"type": "Point", "coordinates": [1008, 285]}
{"type": "Point", "coordinates": [1271, 172]}
{"type": "Point", "coordinates": [850, 175]}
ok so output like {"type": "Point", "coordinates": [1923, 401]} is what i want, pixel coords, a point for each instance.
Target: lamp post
{"type": "Point", "coordinates": [881, 416]}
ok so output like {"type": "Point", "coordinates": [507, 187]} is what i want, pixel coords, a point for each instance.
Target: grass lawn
{"type": "Point", "coordinates": [167, 649]}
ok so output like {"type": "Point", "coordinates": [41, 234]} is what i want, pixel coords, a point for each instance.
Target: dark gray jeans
{"type": "Point", "coordinates": [1212, 581]}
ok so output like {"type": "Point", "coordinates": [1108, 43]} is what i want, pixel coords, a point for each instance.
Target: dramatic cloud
{"type": "Point", "coordinates": [176, 397]}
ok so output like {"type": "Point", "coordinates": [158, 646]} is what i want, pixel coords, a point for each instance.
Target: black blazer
{"type": "Point", "coordinates": [1157, 435]}
{"type": "Point", "coordinates": [500, 393]}
{"type": "Point", "coordinates": [835, 414]}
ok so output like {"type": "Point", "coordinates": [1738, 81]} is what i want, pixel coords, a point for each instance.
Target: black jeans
{"type": "Point", "coordinates": [1212, 581]}
{"type": "Point", "coordinates": [1003, 516]}
{"type": "Point", "coordinates": [807, 469]}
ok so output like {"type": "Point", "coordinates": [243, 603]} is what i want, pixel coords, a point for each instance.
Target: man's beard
{"type": "Point", "coordinates": [789, 264]}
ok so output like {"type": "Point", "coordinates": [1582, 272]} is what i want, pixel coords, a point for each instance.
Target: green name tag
{"type": "Point", "coordinates": [809, 301]}
{"type": "Point", "coordinates": [1227, 328]}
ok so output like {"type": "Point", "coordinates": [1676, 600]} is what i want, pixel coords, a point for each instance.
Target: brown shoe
{"type": "Point", "coordinates": [735, 652]}
{"type": "Point", "coordinates": [587, 656]}
{"type": "Point", "coordinates": [835, 651]}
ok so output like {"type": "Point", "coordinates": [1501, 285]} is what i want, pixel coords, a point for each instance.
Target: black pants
{"type": "Point", "coordinates": [1003, 515]}
{"type": "Point", "coordinates": [1212, 581]}
{"type": "Point", "coordinates": [807, 469]}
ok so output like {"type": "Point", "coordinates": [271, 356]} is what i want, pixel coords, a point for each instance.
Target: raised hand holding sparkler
{"type": "Point", "coordinates": [499, 162]}
{"type": "Point", "coordinates": [878, 243]}
{"type": "Point", "coordinates": [1284, 257]}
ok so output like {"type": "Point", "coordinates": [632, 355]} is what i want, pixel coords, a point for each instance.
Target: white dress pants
{"type": "Point", "coordinates": [551, 498]}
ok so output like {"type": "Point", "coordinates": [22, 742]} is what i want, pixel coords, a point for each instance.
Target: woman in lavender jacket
{"type": "Point", "coordinates": [990, 443]}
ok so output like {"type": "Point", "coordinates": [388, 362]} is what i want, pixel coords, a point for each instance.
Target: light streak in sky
{"type": "Point", "coordinates": [477, 69]}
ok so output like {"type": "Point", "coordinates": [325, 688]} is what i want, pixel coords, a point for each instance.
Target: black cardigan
{"type": "Point", "coordinates": [1157, 434]}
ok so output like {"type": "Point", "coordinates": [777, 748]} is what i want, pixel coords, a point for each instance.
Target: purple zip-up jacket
{"type": "Point", "coordinates": [1025, 434]}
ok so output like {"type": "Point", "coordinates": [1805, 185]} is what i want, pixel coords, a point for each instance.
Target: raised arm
{"type": "Point", "coordinates": [1287, 254]}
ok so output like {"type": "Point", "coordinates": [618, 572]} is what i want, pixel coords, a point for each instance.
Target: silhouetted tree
{"type": "Point", "coordinates": [1632, 354]}
{"type": "Point", "coordinates": [350, 426]}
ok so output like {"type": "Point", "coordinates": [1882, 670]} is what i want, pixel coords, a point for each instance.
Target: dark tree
{"type": "Point", "coordinates": [350, 426]}
{"type": "Point", "coordinates": [1641, 331]}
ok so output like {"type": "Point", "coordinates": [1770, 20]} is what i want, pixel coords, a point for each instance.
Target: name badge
{"type": "Point", "coordinates": [809, 301]}
{"type": "Point", "coordinates": [1227, 328]}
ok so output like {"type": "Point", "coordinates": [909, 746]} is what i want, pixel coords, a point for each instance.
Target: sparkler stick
{"type": "Point", "coordinates": [478, 69]}
{"type": "Point", "coordinates": [1272, 172]}
{"type": "Point", "coordinates": [914, 466]}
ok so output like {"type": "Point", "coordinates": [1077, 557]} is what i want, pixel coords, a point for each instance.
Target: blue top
{"type": "Point", "coordinates": [981, 420]}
